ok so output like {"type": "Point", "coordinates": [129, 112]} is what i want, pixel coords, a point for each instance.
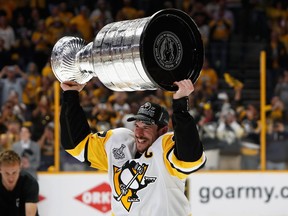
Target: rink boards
{"type": "Point", "coordinates": [210, 194]}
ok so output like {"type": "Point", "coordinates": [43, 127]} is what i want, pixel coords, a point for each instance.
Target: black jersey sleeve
{"type": "Point", "coordinates": [73, 122]}
{"type": "Point", "coordinates": [187, 142]}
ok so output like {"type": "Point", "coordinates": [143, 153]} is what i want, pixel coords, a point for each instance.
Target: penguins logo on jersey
{"type": "Point", "coordinates": [128, 181]}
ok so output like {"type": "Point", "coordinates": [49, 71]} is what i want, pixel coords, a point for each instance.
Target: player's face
{"type": "Point", "coordinates": [10, 174]}
{"type": "Point", "coordinates": [145, 135]}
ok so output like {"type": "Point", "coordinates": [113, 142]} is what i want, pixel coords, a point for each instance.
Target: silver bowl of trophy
{"type": "Point", "coordinates": [134, 55]}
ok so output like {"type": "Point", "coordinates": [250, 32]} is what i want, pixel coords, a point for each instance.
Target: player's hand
{"type": "Point", "coordinates": [185, 88]}
{"type": "Point", "coordinates": [72, 85]}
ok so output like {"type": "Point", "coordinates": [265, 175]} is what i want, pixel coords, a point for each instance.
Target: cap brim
{"type": "Point", "coordinates": [142, 118]}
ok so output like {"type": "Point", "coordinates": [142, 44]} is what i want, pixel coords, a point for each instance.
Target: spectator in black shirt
{"type": "Point", "coordinates": [18, 189]}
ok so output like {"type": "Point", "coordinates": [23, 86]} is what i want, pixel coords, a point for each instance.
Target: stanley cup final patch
{"type": "Point", "coordinates": [167, 50]}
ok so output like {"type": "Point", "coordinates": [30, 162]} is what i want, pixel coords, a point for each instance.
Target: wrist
{"type": "Point", "coordinates": [180, 105]}
{"type": "Point", "coordinates": [70, 96]}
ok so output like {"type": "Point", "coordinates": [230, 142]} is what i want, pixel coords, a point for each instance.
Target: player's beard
{"type": "Point", "coordinates": [142, 144]}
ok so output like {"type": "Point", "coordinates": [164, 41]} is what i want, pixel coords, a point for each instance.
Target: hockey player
{"type": "Point", "coordinates": [147, 169]}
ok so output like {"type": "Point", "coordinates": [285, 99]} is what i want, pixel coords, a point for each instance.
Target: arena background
{"type": "Point", "coordinates": [211, 193]}
{"type": "Point", "coordinates": [258, 192]}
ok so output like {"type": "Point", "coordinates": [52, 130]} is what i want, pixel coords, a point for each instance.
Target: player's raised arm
{"type": "Point", "coordinates": [74, 125]}
{"type": "Point", "coordinates": [188, 147]}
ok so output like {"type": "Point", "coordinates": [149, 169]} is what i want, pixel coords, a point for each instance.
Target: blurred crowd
{"type": "Point", "coordinates": [229, 129]}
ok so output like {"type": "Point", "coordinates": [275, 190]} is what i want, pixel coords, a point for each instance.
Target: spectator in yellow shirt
{"type": "Point", "coordinates": [208, 81]}
{"type": "Point", "coordinates": [42, 41]}
{"type": "Point", "coordinates": [83, 24]}
{"type": "Point", "coordinates": [55, 24]}
{"type": "Point", "coordinates": [33, 82]}
{"type": "Point", "coordinates": [128, 12]}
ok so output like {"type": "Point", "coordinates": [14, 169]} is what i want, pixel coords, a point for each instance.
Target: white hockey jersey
{"type": "Point", "coordinates": [152, 184]}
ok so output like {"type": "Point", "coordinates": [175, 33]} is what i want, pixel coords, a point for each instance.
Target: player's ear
{"type": "Point", "coordinates": [163, 130]}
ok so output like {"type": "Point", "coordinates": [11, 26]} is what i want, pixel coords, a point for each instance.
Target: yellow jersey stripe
{"type": "Point", "coordinates": [175, 167]}
{"type": "Point", "coordinates": [78, 151]}
{"type": "Point", "coordinates": [186, 167]}
{"type": "Point", "coordinates": [92, 149]}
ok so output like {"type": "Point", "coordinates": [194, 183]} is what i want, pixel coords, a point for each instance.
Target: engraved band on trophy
{"type": "Point", "coordinates": [134, 55]}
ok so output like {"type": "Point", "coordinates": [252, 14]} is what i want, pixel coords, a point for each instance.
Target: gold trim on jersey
{"type": "Point", "coordinates": [78, 151]}
{"type": "Point", "coordinates": [175, 167]}
{"type": "Point", "coordinates": [186, 167]}
{"type": "Point", "coordinates": [92, 149]}
{"type": "Point", "coordinates": [96, 151]}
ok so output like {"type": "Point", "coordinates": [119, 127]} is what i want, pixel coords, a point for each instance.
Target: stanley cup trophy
{"type": "Point", "coordinates": [134, 55]}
